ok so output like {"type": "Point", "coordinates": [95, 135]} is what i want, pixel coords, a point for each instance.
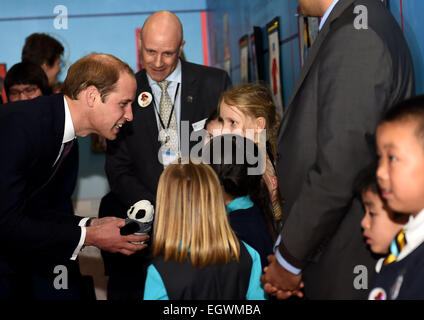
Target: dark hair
{"type": "Point", "coordinates": [100, 70]}
{"type": "Point", "coordinates": [366, 180]}
{"type": "Point", "coordinates": [27, 73]}
{"type": "Point", "coordinates": [40, 48]}
{"type": "Point", "coordinates": [408, 110]}
{"type": "Point", "coordinates": [233, 172]}
{"type": "Point", "coordinates": [214, 115]}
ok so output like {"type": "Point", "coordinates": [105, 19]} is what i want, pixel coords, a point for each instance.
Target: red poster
{"type": "Point", "coordinates": [2, 76]}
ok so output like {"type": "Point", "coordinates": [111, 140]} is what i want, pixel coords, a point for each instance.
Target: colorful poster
{"type": "Point", "coordinates": [255, 75]}
{"type": "Point", "coordinates": [244, 58]}
{"type": "Point", "coordinates": [257, 55]}
{"type": "Point", "coordinates": [274, 63]}
{"type": "Point", "coordinates": [308, 32]}
{"type": "Point", "coordinates": [2, 76]}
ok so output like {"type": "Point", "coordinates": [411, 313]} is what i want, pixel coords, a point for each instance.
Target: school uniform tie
{"type": "Point", "coordinates": [396, 246]}
{"type": "Point", "coordinates": [67, 146]}
{"type": "Point", "coordinates": [168, 119]}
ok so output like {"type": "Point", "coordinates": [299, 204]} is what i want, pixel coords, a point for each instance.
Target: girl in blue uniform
{"type": "Point", "coordinates": [197, 256]}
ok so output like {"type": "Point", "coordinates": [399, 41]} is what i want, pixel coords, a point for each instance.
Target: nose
{"type": "Point", "coordinates": [158, 61]}
{"type": "Point", "coordinates": [365, 222]}
{"type": "Point", "coordinates": [128, 114]}
{"type": "Point", "coordinates": [226, 128]}
{"type": "Point", "coordinates": [381, 170]}
{"type": "Point", "coordinates": [22, 96]}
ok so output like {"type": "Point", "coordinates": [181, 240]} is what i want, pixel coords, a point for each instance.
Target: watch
{"type": "Point", "coordinates": [88, 222]}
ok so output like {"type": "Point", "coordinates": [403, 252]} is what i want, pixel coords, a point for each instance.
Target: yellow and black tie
{"type": "Point", "coordinates": [396, 246]}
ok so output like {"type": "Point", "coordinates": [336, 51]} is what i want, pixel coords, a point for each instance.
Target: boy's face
{"type": "Point", "coordinates": [400, 172]}
{"type": "Point", "coordinates": [378, 224]}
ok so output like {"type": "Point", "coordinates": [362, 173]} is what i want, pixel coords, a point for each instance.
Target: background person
{"type": "Point", "coordinates": [45, 51]}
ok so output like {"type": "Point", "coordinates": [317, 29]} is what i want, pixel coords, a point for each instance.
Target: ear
{"type": "Point", "coordinates": [92, 96]}
{"type": "Point", "coordinates": [260, 123]}
{"type": "Point", "coordinates": [181, 48]}
{"type": "Point", "coordinates": [44, 66]}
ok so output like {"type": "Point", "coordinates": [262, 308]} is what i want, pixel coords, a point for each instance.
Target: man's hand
{"type": "Point", "coordinates": [279, 282]}
{"type": "Point", "coordinates": [105, 234]}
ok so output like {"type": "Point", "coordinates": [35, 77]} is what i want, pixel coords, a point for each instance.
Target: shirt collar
{"type": "Point", "coordinates": [69, 131]}
{"type": "Point", "coordinates": [327, 14]}
{"type": "Point", "coordinates": [175, 76]}
{"type": "Point", "coordinates": [239, 204]}
{"type": "Point", "coordinates": [414, 234]}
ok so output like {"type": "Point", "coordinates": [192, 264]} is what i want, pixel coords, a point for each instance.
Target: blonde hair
{"type": "Point", "coordinates": [191, 220]}
{"type": "Point", "coordinates": [255, 100]}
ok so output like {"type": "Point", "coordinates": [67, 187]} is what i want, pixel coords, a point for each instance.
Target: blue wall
{"type": "Point", "coordinates": [93, 26]}
{"type": "Point", "coordinates": [413, 25]}
{"type": "Point", "coordinates": [243, 15]}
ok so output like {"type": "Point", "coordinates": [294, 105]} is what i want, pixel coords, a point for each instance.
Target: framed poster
{"type": "Point", "coordinates": [308, 32]}
{"type": "Point", "coordinates": [244, 58]}
{"type": "Point", "coordinates": [2, 77]}
{"type": "Point", "coordinates": [273, 33]}
{"type": "Point", "coordinates": [257, 55]}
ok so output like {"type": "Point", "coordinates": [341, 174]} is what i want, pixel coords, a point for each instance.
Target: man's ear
{"type": "Point", "coordinates": [92, 96]}
{"type": "Point", "coordinates": [181, 48]}
{"type": "Point", "coordinates": [260, 123]}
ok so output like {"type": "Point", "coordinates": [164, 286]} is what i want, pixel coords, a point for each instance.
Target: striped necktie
{"type": "Point", "coordinates": [396, 246]}
{"type": "Point", "coordinates": [167, 115]}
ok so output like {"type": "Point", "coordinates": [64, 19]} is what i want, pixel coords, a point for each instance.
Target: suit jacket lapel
{"type": "Point", "coordinates": [341, 6]}
{"type": "Point", "coordinates": [188, 90]}
{"type": "Point", "coordinates": [148, 120]}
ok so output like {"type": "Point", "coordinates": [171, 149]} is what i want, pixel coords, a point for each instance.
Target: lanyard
{"type": "Point", "coordinates": [172, 110]}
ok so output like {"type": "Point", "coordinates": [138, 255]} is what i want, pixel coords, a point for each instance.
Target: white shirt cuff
{"type": "Point", "coordinates": [283, 262]}
{"type": "Point", "coordinates": [82, 238]}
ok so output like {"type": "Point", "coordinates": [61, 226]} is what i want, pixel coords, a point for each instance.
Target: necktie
{"type": "Point", "coordinates": [67, 146]}
{"type": "Point", "coordinates": [396, 246]}
{"type": "Point", "coordinates": [170, 136]}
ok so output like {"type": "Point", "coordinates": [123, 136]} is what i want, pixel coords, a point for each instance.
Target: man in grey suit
{"type": "Point", "coordinates": [358, 67]}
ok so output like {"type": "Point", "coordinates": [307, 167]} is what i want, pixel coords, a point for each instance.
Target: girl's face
{"type": "Point", "coordinates": [235, 121]}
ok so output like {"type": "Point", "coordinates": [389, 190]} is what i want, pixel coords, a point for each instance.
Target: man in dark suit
{"type": "Point", "coordinates": [35, 138]}
{"type": "Point", "coordinates": [136, 159]}
{"type": "Point", "coordinates": [358, 67]}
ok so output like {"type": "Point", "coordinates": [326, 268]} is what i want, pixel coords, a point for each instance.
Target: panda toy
{"type": "Point", "coordinates": [140, 218]}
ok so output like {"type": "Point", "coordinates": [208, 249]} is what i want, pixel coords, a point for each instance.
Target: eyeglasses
{"type": "Point", "coordinates": [29, 92]}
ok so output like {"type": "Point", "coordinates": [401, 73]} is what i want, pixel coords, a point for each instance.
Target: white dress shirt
{"type": "Point", "coordinates": [68, 135]}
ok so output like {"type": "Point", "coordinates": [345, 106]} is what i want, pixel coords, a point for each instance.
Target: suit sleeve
{"type": "Point", "coordinates": [120, 173]}
{"type": "Point", "coordinates": [353, 82]}
{"type": "Point", "coordinates": [23, 229]}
